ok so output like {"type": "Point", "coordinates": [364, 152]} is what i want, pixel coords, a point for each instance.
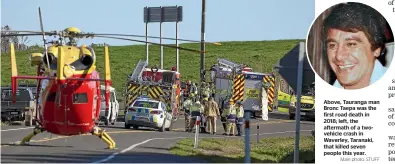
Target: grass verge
{"type": "Point", "coordinates": [268, 150]}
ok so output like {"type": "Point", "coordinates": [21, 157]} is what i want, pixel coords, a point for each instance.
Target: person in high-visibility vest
{"type": "Point", "coordinates": [194, 90]}
{"type": "Point", "coordinates": [187, 113]}
{"type": "Point", "coordinates": [196, 110]}
{"type": "Point", "coordinates": [239, 117]}
{"type": "Point", "coordinates": [230, 113]}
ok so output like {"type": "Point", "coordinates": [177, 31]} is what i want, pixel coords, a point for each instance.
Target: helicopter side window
{"type": "Point", "coordinates": [80, 98]}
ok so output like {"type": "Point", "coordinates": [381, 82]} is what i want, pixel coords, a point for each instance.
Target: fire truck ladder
{"type": "Point", "coordinates": [138, 71]}
{"type": "Point", "coordinates": [228, 64]}
{"type": "Point", "coordinates": [236, 68]}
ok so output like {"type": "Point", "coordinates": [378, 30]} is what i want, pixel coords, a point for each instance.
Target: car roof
{"type": "Point", "coordinates": [147, 100]}
{"type": "Point", "coordinates": [9, 88]}
{"type": "Point", "coordinates": [102, 87]}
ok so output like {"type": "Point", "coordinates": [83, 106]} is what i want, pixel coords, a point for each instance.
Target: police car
{"type": "Point", "coordinates": [147, 112]}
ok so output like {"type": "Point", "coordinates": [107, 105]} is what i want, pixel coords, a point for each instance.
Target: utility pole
{"type": "Point", "coordinates": [202, 44]}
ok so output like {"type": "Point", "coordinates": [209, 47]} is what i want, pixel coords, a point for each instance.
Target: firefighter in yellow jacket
{"type": "Point", "coordinates": [230, 114]}
{"type": "Point", "coordinates": [212, 113]}
{"type": "Point", "coordinates": [239, 118]}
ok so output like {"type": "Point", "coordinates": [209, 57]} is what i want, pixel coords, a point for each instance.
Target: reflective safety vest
{"type": "Point", "coordinates": [197, 108]}
{"type": "Point", "coordinates": [240, 112]}
{"type": "Point", "coordinates": [206, 91]}
{"type": "Point", "coordinates": [230, 112]}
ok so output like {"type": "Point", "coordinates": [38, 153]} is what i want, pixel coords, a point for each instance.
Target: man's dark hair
{"type": "Point", "coordinates": [354, 17]}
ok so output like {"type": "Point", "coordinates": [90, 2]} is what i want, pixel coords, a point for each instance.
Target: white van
{"type": "Point", "coordinates": [113, 110]}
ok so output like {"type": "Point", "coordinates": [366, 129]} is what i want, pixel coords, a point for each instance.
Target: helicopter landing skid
{"type": "Point", "coordinates": [27, 139]}
{"type": "Point", "coordinates": [104, 136]}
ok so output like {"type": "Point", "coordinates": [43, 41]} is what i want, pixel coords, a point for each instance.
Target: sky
{"type": "Point", "coordinates": [226, 20]}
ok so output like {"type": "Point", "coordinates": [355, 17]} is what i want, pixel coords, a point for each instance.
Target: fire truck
{"type": "Point", "coordinates": [159, 84]}
{"type": "Point", "coordinates": [239, 83]}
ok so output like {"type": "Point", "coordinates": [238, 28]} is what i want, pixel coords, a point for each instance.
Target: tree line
{"type": "Point", "coordinates": [20, 42]}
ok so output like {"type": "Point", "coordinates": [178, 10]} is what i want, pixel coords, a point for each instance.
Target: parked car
{"type": "Point", "coordinates": [23, 109]}
{"type": "Point", "coordinates": [110, 115]}
{"type": "Point", "coordinates": [147, 112]}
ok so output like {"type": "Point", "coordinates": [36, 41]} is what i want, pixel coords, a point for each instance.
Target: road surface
{"type": "Point", "coordinates": [137, 146]}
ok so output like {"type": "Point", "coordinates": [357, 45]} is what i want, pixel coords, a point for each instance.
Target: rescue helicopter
{"type": "Point", "coordinates": [69, 102]}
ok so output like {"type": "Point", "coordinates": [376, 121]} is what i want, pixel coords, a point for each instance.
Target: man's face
{"type": "Point", "coordinates": [350, 57]}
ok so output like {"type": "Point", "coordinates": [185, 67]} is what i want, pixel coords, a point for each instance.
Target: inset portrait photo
{"type": "Point", "coordinates": [350, 45]}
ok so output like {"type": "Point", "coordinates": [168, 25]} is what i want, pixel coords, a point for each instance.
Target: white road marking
{"type": "Point", "coordinates": [5, 130]}
{"type": "Point", "coordinates": [141, 143]}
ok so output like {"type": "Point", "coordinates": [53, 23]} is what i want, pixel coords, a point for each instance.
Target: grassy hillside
{"type": "Point", "coordinates": [260, 55]}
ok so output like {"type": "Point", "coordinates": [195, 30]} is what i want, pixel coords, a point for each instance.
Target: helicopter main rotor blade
{"type": "Point", "coordinates": [23, 31]}
{"type": "Point", "coordinates": [156, 37]}
{"type": "Point", "coordinates": [186, 49]}
{"type": "Point", "coordinates": [8, 35]}
{"type": "Point", "coordinates": [45, 41]}
{"type": "Point", "coordinates": [41, 24]}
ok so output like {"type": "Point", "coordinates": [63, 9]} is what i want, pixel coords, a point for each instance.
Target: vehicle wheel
{"type": "Point", "coordinates": [106, 121]}
{"type": "Point", "coordinates": [135, 127]}
{"type": "Point", "coordinates": [115, 120]}
{"type": "Point", "coordinates": [29, 118]}
{"type": "Point", "coordinates": [34, 122]}
{"type": "Point", "coordinates": [28, 123]}
{"type": "Point", "coordinates": [162, 129]}
{"type": "Point", "coordinates": [127, 126]}
{"type": "Point", "coordinates": [175, 118]}
{"type": "Point", "coordinates": [291, 116]}
{"type": "Point", "coordinates": [170, 127]}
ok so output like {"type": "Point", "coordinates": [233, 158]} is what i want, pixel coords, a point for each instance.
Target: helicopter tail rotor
{"type": "Point", "coordinates": [107, 78]}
